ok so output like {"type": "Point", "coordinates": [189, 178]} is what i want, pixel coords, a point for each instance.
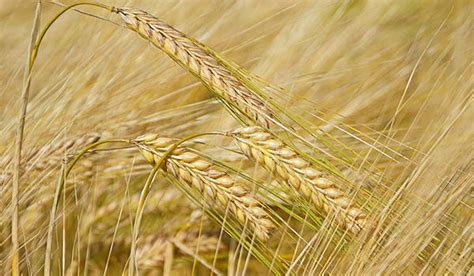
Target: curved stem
{"type": "Point", "coordinates": [146, 190]}
{"type": "Point", "coordinates": [15, 260]}
{"type": "Point", "coordinates": [138, 218]}
{"type": "Point", "coordinates": [57, 196]}
{"type": "Point", "coordinates": [54, 19]}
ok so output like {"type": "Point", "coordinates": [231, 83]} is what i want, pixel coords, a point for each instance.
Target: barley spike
{"type": "Point", "coordinates": [300, 175]}
{"type": "Point", "coordinates": [200, 61]}
{"type": "Point", "coordinates": [216, 185]}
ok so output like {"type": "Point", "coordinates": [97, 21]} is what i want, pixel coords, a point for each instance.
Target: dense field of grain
{"type": "Point", "coordinates": [236, 137]}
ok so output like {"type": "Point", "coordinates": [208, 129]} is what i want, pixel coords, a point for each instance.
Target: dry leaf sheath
{"type": "Point", "coordinates": [215, 185]}
{"type": "Point", "coordinates": [300, 175]}
{"type": "Point", "coordinates": [200, 61]}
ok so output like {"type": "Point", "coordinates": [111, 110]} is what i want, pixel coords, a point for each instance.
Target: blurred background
{"type": "Point", "coordinates": [400, 72]}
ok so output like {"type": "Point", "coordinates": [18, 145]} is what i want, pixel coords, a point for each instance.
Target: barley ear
{"type": "Point", "coordinates": [218, 187]}
{"type": "Point", "coordinates": [202, 63]}
{"type": "Point", "coordinates": [300, 175]}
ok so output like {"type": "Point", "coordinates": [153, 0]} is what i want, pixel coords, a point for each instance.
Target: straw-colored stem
{"type": "Point", "coordinates": [57, 196]}
{"type": "Point", "coordinates": [33, 53]}
{"type": "Point", "coordinates": [15, 261]}
{"type": "Point", "coordinates": [138, 218]}
{"type": "Point", "coordinates": [54, 19]}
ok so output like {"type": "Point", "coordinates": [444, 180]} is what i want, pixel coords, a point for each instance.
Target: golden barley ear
{"type": "Point", "coordinates": [300, 175]}
{"type": "Point", "coordinates": [202, 63]}
{"type": "Point", "coordinates": [216, 185]}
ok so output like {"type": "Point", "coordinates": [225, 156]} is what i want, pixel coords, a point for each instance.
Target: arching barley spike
{"type": "Point", "coordinates": [200, 61]}
{"type": "Point", "coordinates": [300, 175]}
{"type": "Point", "coordinates": [216, 185]}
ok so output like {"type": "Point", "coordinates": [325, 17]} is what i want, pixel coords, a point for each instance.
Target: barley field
{"type": "Point", "coordinates": [239, 137]}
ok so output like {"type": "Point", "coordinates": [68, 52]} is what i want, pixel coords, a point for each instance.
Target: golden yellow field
{"type": "Point", "coordinates": [236, 137]}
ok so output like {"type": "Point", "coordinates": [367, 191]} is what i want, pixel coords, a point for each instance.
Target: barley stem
{"type": "Point", "coordinates": [54, 19]}
{"type": "Point", "coordinates": [18, 147]}
{"type": "Point", "coordinates": [33, 52]}
{"type": "Point", "coordinates": [57, 196]}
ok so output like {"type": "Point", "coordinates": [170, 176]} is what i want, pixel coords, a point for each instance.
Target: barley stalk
{"type": "Point", "coordinates": [300, 175]}
{"type": "Point", "coordinates": [216, 185]}
{"type": "Point", "coordinates": [200, 61]}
